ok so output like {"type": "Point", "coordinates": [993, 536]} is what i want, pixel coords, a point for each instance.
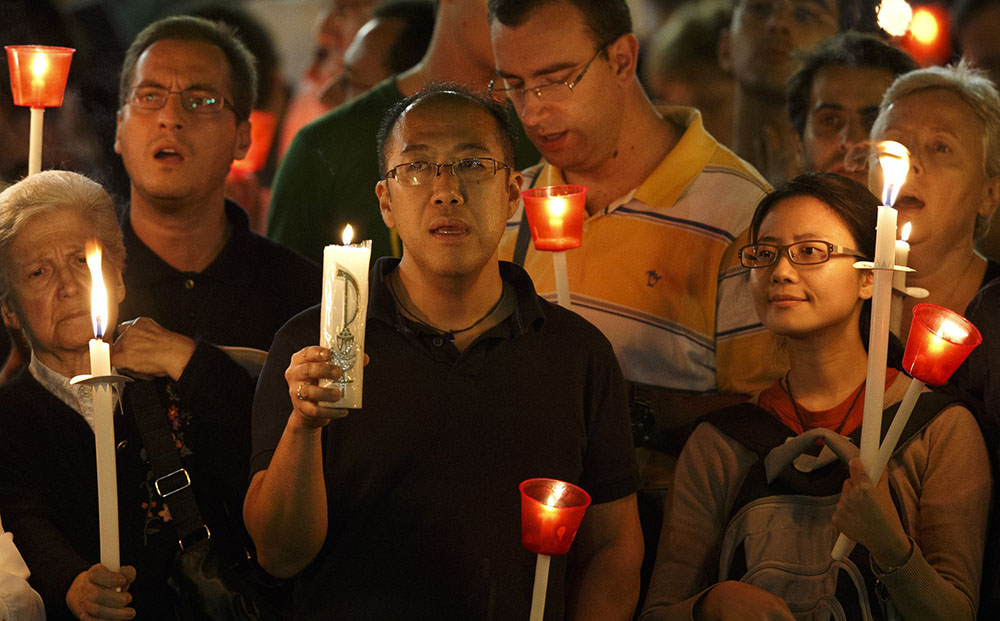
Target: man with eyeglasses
{"type": "Point", "coordinates": [197, 277]}
{"type": "Point", "coordinates": [407, 508]}
{"type": "Point", "coordinates": [326, 178]}
{"type": "Point", "coordinates": [667, 206]}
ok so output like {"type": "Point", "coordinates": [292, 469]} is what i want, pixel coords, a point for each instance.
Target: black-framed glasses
{"type": "Point", "coordinates": [468, 170]}
{"type": "Point", "coordinates": [554, 91]}
{"type": "Point", "coordinates": [806, 252]}
{"type": "Point", "coordinates": [196, 100]}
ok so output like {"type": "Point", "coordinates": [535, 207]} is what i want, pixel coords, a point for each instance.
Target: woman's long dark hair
{"type": "Point", "coordinates": [857, 208]}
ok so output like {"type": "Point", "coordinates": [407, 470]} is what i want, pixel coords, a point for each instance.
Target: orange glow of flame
{"type": "Point", "coordinates": [904, 235]}
{"type": "Point", "coordinates": [924, 26]}
{"type": "Point", "coordinates": [556, 207]}
{"type": "Point", "coordinates": [348, 235]}
{"type": "Point", "coordinates": [894, 16]}
{"type": "Point", "coordinates": [558, 490]}
{"type": "Point", "coordinates": [98, 292]}
{"type": "Point", "coordinates": [39, 66]}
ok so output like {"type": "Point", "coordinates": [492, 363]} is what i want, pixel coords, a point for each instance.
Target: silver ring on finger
{"type": "Point", "coordinates": [298, 392]}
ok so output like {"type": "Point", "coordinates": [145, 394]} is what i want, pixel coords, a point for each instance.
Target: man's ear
{"type": "Point", "coordinates": [242, 140]}
{"type": "Point", "coordinates": [119, 287]}
{"type": "Point", "coordinates": [724, 51]}
{"type": "Point", "coordinates": [993, 197]}
{"type": "Point", "coordinates": [385, 203]}
{"type": "Point", "coordinates": [623, 55]}
{"type": "Point", "coordinates": [10, 318]}
{"type": "Point", "coordinates": [514, 190]}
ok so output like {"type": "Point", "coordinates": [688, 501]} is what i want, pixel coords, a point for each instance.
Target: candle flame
{"type": "Point", "coordinates": [905, 233]}
{"type": "Point", "coordinates": [556, 207]}
{"type": "Point", "coordinates": [951, 332]}
{"type": "Point", "coordinates": [98, 292]}
{"type": "Point", "coordinates": [895, 161]}
{"type": "Point", "coordinates": [894, 16]}
{"type": "Point", "coordinates": [348, 235]}
{"type": "Point", "coordinates": [558, 490]}
{"type": "Point", "coordinates": [40, 65]}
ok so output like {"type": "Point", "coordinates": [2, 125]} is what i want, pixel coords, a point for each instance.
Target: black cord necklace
{"type": "Point", "coordinates": [802, 421]}
{"type": "Point", "coordinates": [416, 318]}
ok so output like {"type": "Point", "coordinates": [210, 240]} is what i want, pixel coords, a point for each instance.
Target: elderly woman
{"type": "Point", "coordinates": [739, 545]}
{"type": "Point", "coordinates": [48, 484]}
{"type": "Point", "coordinates": [949, 119]}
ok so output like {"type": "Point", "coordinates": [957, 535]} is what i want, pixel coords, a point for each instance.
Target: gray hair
{"type": "Point", "coordinates": [971, 86]}
{"type": "Point", "coordinates": [48, 192]}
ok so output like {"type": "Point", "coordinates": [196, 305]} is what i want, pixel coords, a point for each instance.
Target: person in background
{"type": "Point", "coordinates": [681, 67]}
{"type": "Point", "coordinates": [325, 181]}
{"type": "Point", "coordinates": [833, 99]}
{"type": "Point", "coordinates": [458, 399]}
{"type": "Point", "coordinates": [759, 50]}
{"type": "Point", "coordinates": [924, 544]}
{"type": "Point", "coordinates": [949, 120]}
{"type": "Point", "coordinates": [394, 40]}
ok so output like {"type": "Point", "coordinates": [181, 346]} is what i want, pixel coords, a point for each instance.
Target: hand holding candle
{"type": "Point", "coordinates": [555, 216]}
{"type": "Point", "coordinates": [551, 512]}
{"type": "Point", "coordinates": [343, 313]}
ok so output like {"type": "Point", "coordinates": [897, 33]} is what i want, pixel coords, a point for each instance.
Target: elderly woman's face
{"type": "Point", "coordinates": [51, 282]}
{"type": "Point", "coordinates": [947, 186]}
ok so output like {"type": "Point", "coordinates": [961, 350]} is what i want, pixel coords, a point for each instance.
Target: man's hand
{"type": "Point", "coordinates": [100, 593]}
{"type": "Point", "coordinates": [866, 514]}
{"type": "Point", "coordinates": [738, 601]}
{"type": "Point", "coordinates": [146, 349]}
{"type": "Point", "coordinates": [306, 368]}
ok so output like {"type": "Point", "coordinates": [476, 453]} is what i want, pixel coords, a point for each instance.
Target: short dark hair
{"type": "Point", "coordinates": [504, 130]}
{"type": "Point", "coordinates": [848, 49]}
{"type": "Point", "coordinates": [242, 65]}
{"type": "Point", "coordinates": [418, 26]}
{"type": "Point", "coordinates": [856, 207]}
{"type": "Point", "coordinates": [607, 20]}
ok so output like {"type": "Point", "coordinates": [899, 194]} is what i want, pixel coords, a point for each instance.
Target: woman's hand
{"type": "Point", "coordinates": [307, 367]}
{"type": "Point", "coordinates": [100, 593]}
{"type": "Point", "coordinates": [146, 349]}
{"type": "Point", "coordinates": [866, 514]}
{"type": "Point", "coordinates": [739, 601]}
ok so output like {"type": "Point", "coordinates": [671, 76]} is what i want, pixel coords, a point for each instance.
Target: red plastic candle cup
{"type": "Point", "coordinates": [38, 74]}
{"type": "Point", "coordinates": [939, 342]}
{"type": "Point", "coordinates": [555, 216]}
{"type": "Point", "coordinates": [551, 512]}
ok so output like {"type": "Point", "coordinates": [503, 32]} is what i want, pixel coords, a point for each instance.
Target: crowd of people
{"type": "Point", "coordinates": [705, 386]}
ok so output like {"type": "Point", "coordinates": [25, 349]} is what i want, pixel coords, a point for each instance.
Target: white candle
{"type": "Point", "coordinates": [39, 67]}
{"type": "Point", "coordinates": [342, 315]}
{"type": "Point", "coordinates": [104, 424]}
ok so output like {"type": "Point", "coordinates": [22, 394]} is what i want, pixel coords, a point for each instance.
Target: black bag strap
{"type": "Point", "coordinates": [523, 230]}
{"type": "Point", "coordinates": [173, 482]}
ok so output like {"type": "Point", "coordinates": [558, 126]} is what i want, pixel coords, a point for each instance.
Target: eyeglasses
{"type": "Point", "coordinates": [555, 91]}
{"type": "Point", "coordinates": [196, 100]}
{"type": "Point", "coordinates": [468, 170]}
{"type": "Point", "coordinates": [808, 252]}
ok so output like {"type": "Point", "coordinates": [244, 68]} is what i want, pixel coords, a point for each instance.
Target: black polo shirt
{"type": "Point", "coordinates": [422, 483]}
{"type": "Point", "coordinates": [249, 291]}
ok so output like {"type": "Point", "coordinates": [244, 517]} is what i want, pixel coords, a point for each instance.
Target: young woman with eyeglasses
{"type": "Point", "coordinates": [924, 539]}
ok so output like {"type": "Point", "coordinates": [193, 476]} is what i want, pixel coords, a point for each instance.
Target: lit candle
{"type": "Point", "coordinates": [548, 528]}
{"type": "Point", "coordinates": [343, 313]}
{"type": "Point", "coordinates": [894, 160]}
{"type": "Point", "coordinates": [104, 424]}
{"type": "Point", "coordinates": [555, 216]}
{"type": "Point", "coordinates": [38, 79]}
